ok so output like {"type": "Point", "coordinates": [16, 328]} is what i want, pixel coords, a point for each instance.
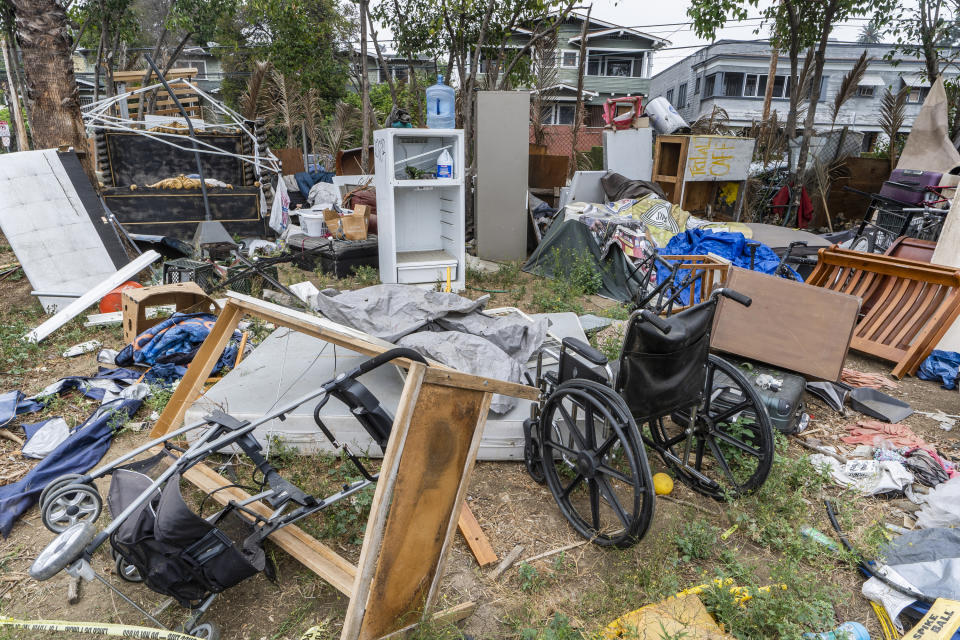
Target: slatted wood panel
{"type": "Point", "coordinates": [164, 105]}
{"type": "Point", "coordinates": [907, 305]}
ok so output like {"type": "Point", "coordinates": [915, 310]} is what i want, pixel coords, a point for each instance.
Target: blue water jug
{"type": "Point", "coordinates": [846, 631]}
{"type": "Point", "coordinates": [441, 112]}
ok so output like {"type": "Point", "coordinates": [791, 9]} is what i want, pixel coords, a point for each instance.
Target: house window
{"type": "Point", "coordinates": [917, 94]}
{"type": "Point", "coordinates": [733, 84]}
{"type": "Point", "coordinates": [696, 86]}
{"type": "Point", "coordinates": [569, 59]}
{"type": "Point", "coordinates": [865, 92]}
{"type": "Point", "coordinates": [620, 67]}
{"type": "Point", "coordinates": [593, 66]}
{"type": "Point", "coordinates": [594, 115]}
{"type": "Point", "coordinates": [669, 96]}
{"type": "Point", "coordinates": [755, 85]}
{"type": "Point", "coordinates": [564, 114]}
{"type": "Point", "coordinates": [781, 87]}
{"type": "Point", "coordinates": [400, 74]}
{"type": "Point", "coordinates": [682, 95]}
{"type": "Point", "coordinates": [709, 85]}
{"type": "Point", "coordinates": [199, 65]}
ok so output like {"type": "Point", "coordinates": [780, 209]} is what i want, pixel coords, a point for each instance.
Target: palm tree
{"type": "Point", "coordinates": [51, 86]}
{"type": "Point", "coordinates": [869, 34]}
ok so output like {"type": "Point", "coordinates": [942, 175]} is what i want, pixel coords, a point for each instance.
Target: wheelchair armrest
{"type": "Point", "coordinates": [584, 350]}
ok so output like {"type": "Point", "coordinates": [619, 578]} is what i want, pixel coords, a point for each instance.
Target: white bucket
{"type": "Point", "coordinates": [313, 224]}
{"type": "Point", "coordinates": [663, 116]}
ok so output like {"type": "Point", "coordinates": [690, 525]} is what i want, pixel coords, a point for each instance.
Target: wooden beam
{"type": "Point", "coordinates": [479, 545]}
{"type": "Point", "coordinates": [447, 616]}
{"type": "Point", "coordinates": [191, 386]}
{"type": "Point", "coordinates": [451, 378]}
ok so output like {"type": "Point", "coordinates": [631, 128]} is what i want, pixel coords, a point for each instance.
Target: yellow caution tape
{"type": "Point", "coordinates": [100, 628]}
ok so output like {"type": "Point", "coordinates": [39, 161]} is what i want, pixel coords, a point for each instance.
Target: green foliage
{"type": "Point", "coordinates": [557, 628]}
{"type": "Point", "coordinates": [574, 276]}
{"type": "Point", "coordinates": [530, 578]}
{"type": "Point", "coordinates": [696, 540]}
{"type": "Point", "coordinates": [366, 275]}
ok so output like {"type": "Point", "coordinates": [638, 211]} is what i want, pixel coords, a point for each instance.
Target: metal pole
{"type": "Point", "coordinates": [193, 139]}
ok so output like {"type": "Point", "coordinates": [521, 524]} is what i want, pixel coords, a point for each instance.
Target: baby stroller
{"type": "Point", "coordinates": [586, 438]}
{"type": "Point", "coordinates": [158, 540]}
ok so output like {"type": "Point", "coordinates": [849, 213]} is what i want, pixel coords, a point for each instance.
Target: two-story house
{"type": "Point", "coordinates": [734, 75]}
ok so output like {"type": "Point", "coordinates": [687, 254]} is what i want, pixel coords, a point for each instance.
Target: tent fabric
{"type": "Point", "coordinates": [567, 238]}
{"type": "Point", "coordinates": [928, 147]}
{"type": "Point", "coordinates": [79, 453]}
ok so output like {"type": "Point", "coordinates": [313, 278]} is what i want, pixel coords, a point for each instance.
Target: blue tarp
{"type": "Point", "coordinates": [77, 454]}
{"type": "Point", "coordinates": [175, 341]}
{"type": "Point", "coordinates": [942, 366]}
{"type": "Point", "coordinates": [726, 244]}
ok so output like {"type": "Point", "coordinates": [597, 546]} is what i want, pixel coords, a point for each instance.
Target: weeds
{"type": "Point", "coordinates": [366, 275]}
{"type": "Point", "coordinates": [696, 541]}
{"type": "Point", "coordinates": [158, 398]}
{"type": "Point", "coordinates": [557, 628]}
{"type": "Point", "coordinates": [574, 276]}
{"type": "Point", "coordinates": [530, 578]}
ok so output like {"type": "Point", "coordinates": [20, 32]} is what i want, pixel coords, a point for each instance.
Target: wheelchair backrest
{"type": "Point", "coordinates": [660, 373]}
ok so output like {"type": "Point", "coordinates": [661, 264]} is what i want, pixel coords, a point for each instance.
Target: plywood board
{"type": "Point", "coordinates": [56, 225]}
{"type": "Point", "coordinates": [436, 454]}
{"type": "Point", "coordinates": [947, 254]}
{"type": "Point", "coordinates": [718, 158]}
{"type": "Point", "coordinates": [790, 324]}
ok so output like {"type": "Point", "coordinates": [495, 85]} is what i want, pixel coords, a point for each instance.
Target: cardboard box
{"type": "Point", "coordinates": [185, 296]}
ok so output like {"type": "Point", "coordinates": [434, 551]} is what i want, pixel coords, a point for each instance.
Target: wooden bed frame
{"type": "Point", "coordinates": [907, 305]}
{"type": "Point", "coordinates": [421, 488]}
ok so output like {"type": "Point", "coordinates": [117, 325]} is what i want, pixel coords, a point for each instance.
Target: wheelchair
{"type": "Point", "coordinates": [586, 438]}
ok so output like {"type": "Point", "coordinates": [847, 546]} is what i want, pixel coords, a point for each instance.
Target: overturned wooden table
{"type": "Point", "coordinates": [423, 477]}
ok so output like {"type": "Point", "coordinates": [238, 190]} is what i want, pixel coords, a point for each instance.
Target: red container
{"type": "Point", "coordinates": [113, 301]}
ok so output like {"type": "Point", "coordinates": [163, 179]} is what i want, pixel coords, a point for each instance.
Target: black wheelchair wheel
{"type": "Point", "coordinates": [729, 449]}
{"type": "Point", "coordinates": [595, 465]}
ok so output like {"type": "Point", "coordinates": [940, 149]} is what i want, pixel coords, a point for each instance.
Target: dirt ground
{"type": "Point", "coordinates": [692, 540]}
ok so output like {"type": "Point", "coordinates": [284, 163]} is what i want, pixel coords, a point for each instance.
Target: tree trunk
{"type": "Point", "coordinates": [578, 113]}
{"type": "Point", "coordinates": [364, 89]}
{"type": "Point", "coordinates": [51, 85]}
{"type": "Point", "coordinates": [771, 76]}
{"type": "Point", "coordinates": [16, 113]}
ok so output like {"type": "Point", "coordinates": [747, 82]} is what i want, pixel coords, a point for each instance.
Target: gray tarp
{"type": "Point", "coordinates": [446, 327]}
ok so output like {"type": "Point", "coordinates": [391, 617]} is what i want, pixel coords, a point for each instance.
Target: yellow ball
{"type": "Point", "coordinates": [662, 484]}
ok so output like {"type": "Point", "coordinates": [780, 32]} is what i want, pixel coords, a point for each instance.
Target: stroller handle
{"type": "Point", "coordinates": [383, 358]}
{"type": "Point", "coordinates": [736, 296]}
{"type": "Point", "coordinates": [658, 322]}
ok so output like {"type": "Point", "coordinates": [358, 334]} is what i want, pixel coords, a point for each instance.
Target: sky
{"type": "Point", "coordinates": [644, 15]}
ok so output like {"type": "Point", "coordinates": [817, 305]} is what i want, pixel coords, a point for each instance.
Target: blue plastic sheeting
{"type": "Point", "coordinates": [943, 366]}
{"type": "Point", "coordinates": [729, 245]}
{"type": "Point", "coordinates": [77, 454]}
{"type": "Point", "coordinates": [175, 341]}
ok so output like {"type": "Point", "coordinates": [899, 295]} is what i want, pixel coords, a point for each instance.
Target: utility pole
{"type": "Point", "coordinates": [23, 144]}
{"type": "Point", "coordinates": [578, 115]}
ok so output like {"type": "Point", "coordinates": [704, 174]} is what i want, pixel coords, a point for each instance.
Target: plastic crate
{"type": "Point", "coordinates": [253, 283]}
{"type": "Point", "coordinates": [187, 270]}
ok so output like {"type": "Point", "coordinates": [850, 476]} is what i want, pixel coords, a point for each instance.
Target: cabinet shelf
{"type": "Point", "coordinates": [434, 182]}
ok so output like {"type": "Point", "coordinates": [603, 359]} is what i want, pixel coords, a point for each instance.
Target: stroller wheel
{"type": "Point", "coordinates": [64, 549]}
{"type": "Point", "coordinates": [206, 631]}
{"type": "Point", "coordinates": [729, 449]}
{"type": "Point", "coordinates": [69, 505]}
{"type": "Point", "coordinates": [127, 571]}
{"type": "Point", "coordinates": [595, 465]}
{"type": "Point", "coordinates": [58, 483]}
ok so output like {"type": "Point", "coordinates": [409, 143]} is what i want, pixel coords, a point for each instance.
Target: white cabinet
{"type": "Point", "coordinates": [420, 218]}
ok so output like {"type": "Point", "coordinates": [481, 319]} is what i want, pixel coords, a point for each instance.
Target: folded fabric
{"type": "Point", "coordinates": [44, 437]}
{"type": "Point", "coordinates": [873, 432]}
{"type": "Point", "coordinates": [176, 340]}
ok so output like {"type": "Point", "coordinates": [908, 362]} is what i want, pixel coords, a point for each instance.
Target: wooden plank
{"type": "Point", "coordinates": [382, 499]}
{"type": "Point", "coordinates": [479, 545]}
{"type": "Point", "coordinates": [191, 386]}
{"type": "Point", "coordinates": [433, 468]}
{"type": "Point", "coordinates": [450, 378]}
{"type": "Point", "coordinates": [80, 305]}
{"type": "Point", "coordinates": [447, 616]}
{"type": "Point", "coordinates": [461, 495]}
{"type": "Point", "coordinates": [313, 554]}
{"type": "Point", "coordinates": [790, 324]}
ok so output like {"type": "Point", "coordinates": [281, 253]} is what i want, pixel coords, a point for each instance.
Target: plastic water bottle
{"type": "Point", "coordinates": [440, 106]}
{"type": "Point", "coordinates": [445, 165]}
{"type": "Point", "coordinates": [846, 631]}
